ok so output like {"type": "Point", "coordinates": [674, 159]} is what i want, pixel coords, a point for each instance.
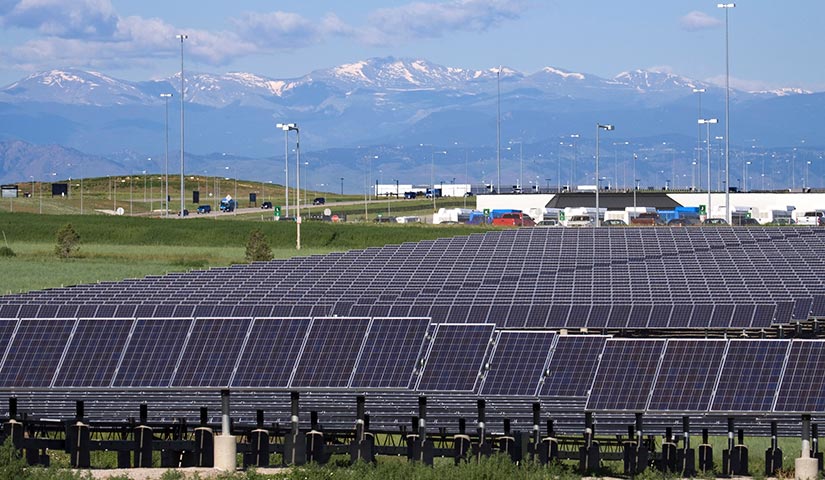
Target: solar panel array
{"type": "Point", "coordinates": [482, 315]}
{"type": "Point", "coordinates": [617, 278]}
{"type": "Point", "coordinates": [413, 355]}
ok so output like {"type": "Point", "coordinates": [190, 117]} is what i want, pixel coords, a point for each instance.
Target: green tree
{"type": "Point", "coordinates": [257, 247]}
{"type": "Point", "coordinates": [68, 241]}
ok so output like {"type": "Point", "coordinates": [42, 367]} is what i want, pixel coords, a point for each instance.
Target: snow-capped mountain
{"type": "Point", "coordinates": [391, 101]}
{"type": "Point", "coordinates": [75, 86]}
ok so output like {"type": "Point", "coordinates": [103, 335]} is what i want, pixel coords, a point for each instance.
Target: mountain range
{"type": "Point", "coordinates": [386, 104]}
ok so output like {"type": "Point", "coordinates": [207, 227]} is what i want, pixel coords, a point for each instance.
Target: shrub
{"type": "Point", "coordinates": [67, 241]}
{"type": "Point", "coordinates": [6, 252]}
{"type": "Point", "coordinates": [257, 247]}
{"type": "Point", "coordinates": [12, 466]}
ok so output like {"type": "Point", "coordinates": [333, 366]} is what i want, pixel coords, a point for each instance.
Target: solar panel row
{"type": "Point", "coordinates": [405, 354]}
{"type": "Point", "coordinates": [534, 278]}
{"type": "Point", "coordinates": [274, 353]}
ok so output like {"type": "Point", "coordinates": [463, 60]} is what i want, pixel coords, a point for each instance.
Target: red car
{"type": "Point", "coordinates": [514, 220]}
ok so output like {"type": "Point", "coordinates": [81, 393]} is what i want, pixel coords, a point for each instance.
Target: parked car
{"type": "Point", "coordinates": [204, 209]}
{"type": "Point", "coordinates": [410, 195]}
{"type": "Point", "coordinates": [614, 222]}
{"type": "Point", "coordinates": [745, 221]}
{"type": "Point", "coordinates": [266, 205]}
{"type": "Point", "coordinates": [319, 201]}
{"type": "Point", "coordinates": [514, 219]}
{"type": "Point", "coordinates": [682, 222]}
{"type": "Point", "coordinates": [185, 213]}
{"type": "Point", "coordinates": [715, 221]}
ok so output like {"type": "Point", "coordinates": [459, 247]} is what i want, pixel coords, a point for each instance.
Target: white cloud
{"type": "Point", "coordinates": [433, 20]}
{"type": "Point", "coordinates": [697, 20]}
{"type": "Point", "coordinates": [66, 19]}
{"type": "Point", "coordinates": [91, 33]}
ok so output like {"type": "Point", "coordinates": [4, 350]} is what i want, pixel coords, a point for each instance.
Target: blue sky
{"type": "Point", "coordinates": [773, 44]}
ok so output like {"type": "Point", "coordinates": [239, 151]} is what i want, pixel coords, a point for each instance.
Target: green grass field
{"type": "Point", "coordinates": [118, 247]}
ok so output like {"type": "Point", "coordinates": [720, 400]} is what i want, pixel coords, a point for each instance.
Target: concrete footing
{"type": "Point", "coordinates": [226, 449]}
{"type": "Point", "coordinates": [807, 468]}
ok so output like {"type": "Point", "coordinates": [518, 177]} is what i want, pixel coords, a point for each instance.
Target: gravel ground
{"type": "Point", "coordinates": [156, 473]}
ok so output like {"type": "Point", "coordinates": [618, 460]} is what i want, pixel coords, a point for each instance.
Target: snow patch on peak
{"type": "Point", "coordinates": [784, 92]}
{"type": "Point", "coordinates": [352, 70]}
{"type": "Point", "coordinates": [562, 73]}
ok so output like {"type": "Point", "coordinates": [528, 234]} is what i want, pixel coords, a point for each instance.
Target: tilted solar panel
{"type": "Point", "coordinates": [803, 383]}
{"type": "Point", "coordinates": [271, 352]}
{"type": "Point", "coordinates": [211, 352]}
{"type": "Point", "coordinates": [152, 352]}
{"type": "Point", "coordinates": [390, 353]}
{"type": "Point", "coordinates": [687, 375]}
{"type": "Point", "coordinates": [34, 352]}
{"type": "Point", "coordinates": [517, 363]}
{"type": "Point", "coordinates": [330, 352]}
{"type": "Point", "coordinates": [455, 357]}
{"type": "Point", "coordinates": [625, 375]}
{"type": "Point", "coordinates": [94, 352]}
{"type": "Point", "coordinates": [750, 375]}
{"type": "Point", "coordinates": [572, 366]}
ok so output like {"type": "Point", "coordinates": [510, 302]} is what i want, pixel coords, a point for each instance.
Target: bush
{"type": "Point", "coordinates": [12, 466]}
{"type": "Point", "coordinates": [257, 247]}
{"type": "Point", "coordinates": [6, 252]}
{"type": "Point", "coordinates": [67, 241]}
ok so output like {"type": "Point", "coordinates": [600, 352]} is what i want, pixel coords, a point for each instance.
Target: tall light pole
{"type": "Point", "coordinates": [635, 184]}
{"type": "Point", "coordinates": [342, 186]}
{"type": "Point", "coordinates": [521, 164]}
{"type": "Point", "coordinates": [699, 92]}
{"type": "Point", "coordinates": [707, 122]}
{"type": "Point", "coordinates": [286, 127]}
{"type": "Point", "coordinates": [599, 127]}
{"type": "Point", "coordinates": [498, 128]}
{"type": "Point", "coordinates": [297, 187]}
{"type": "Point", "coordinates": [181, 37]}
{"type": "Point", "coordinates": [166, 97]}
{"type": "Point", "coordinates": [575, 138]}
{"type": "Point", "coordinates": [727, 7]}
{"type": "Point", "coordinates": [807, 166]}
{"type": "Point", "coordinates": [432, 174]}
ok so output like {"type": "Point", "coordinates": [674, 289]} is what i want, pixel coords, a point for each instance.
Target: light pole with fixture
{"type": "Point", "coordinates": [699, 92]}
{"type": "Point", "coordinates": [342, 186]}
{"type": "Point", "coordinates": [166, 97]}
{"type": "Point", "coordinates": [707, 122]}
{"type": "Point", "coordinates": [498, 129]}
{"type": "Point", "coordinates": [286, 127]}
{"type": "Point", "coordinates": [181, 37]}
{"type": "Point", "coordinates": [727, 7]}
{"type": "Point", "coordinates": [599, 127]}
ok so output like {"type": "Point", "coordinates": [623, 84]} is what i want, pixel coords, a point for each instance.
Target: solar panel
{"type": "Point", "coordinates": [517, 363]}
{"type": "Point", "coordinates": [625, 375]}
{"type": "Point", "coordinates": [687, 375]}
{"type": "Point", "coordinates": [455, 357]}
{"type": "Point", "coordinates": [211, 352]}
{"type": "Point", "coordinates": [94, 352]}
{"type": "Point", "coordinates": [390, 353]}
{"type": "Point", "coordinates": [750, 375]}
{"type": "Point", "coordinates": [572, 366]}
{"type": "Point", "coordinates": [152, 352]}
{"type": "Point", "coordinates": [330, 352]}
{"type": "Point", "coordinates": [271, 352]}
{"type": "Point", "coordinates": [803, 383]}
{"type": "Point", "coordinates": [34, 352]}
